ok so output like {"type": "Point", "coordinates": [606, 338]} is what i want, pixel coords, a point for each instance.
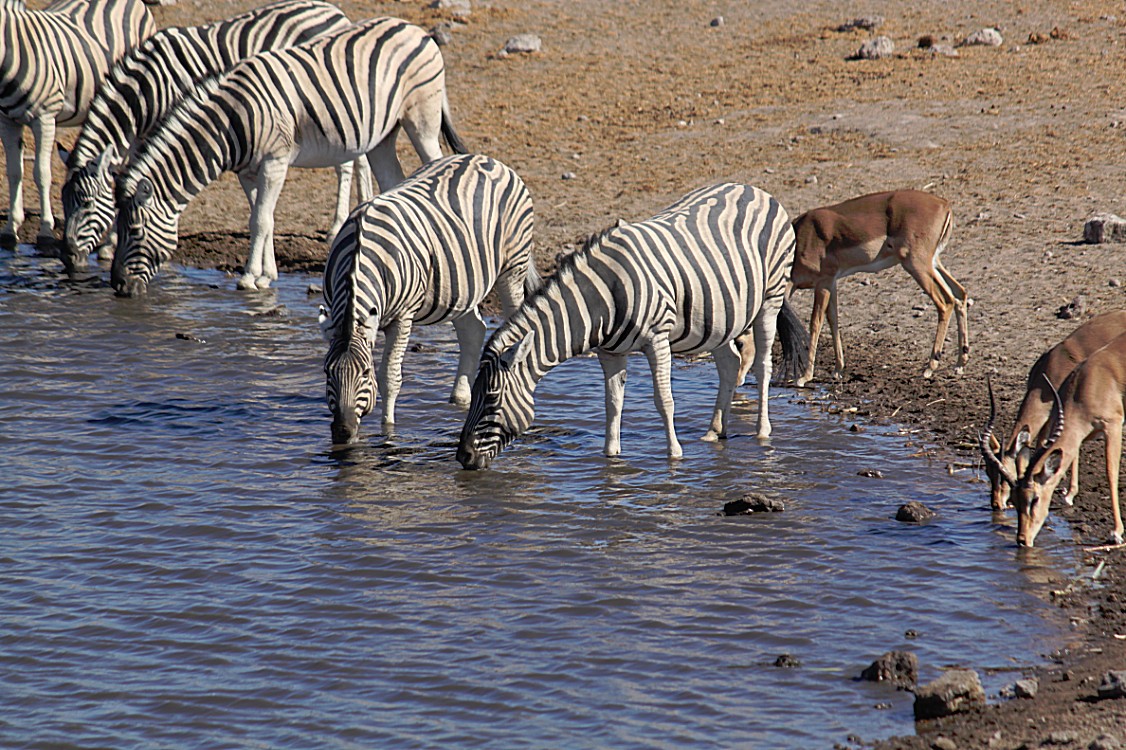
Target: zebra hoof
{"type": "Point", "coordinates": [711, 436]}
{"type": "Point", "coordinates": [105, 252]}
{"type": "Point", "coordinates": [8, 239]}
{"type": "Point", "coordinates": [246, 282]}
{"type": "Point", "coordinates": [262, 282]}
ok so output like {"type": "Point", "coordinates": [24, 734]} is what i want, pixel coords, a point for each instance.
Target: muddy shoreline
{"type": "Point", "coordinates": [629, 105]}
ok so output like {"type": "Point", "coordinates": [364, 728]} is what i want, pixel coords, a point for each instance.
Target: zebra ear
{"type": "Point", "coordinates": [326, 323]}
{"type": "Point", "coordinates": [369, 329]}
{"type": "Point", "coordinates": [63, 151]}
{"type": "Point", "coordinates": [106, 161]}
{"type": "Point", "coordinates": [518, 352]}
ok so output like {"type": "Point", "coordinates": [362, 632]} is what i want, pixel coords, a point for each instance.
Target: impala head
{"type": "Point", "coordinates": [146, 235]}
{"type": "Point", "coordinates": [1001, 469]}
{"type": "Point", "coordinates": [1032, 490]}
{"type": "Point", "coordinates": [349, 375]}
{"type": "Point", "coordinates": [503, 405]}
{"type": "Point", "coordinates": [87, 206]}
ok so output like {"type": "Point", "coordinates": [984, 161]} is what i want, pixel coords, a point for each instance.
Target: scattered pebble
{"type": "Point", "coordinates": [989, 37]}
{"type": "Point", "coordinates": [717, 21]}
{"type": "Point", "coordinates": [787, 661]}
{"type": "Point", "coordinates": [1115, 283]}
{"type": "Point", "coordinates": [568, 176]}
{"type": "Point", "coordinates": [753, 503]}
{"type": "Point", "coordinates": [898, 668]}
{"type": "Point", "coordinates": [944, 743]}
{"type": "Point", "coordinates": [1073, 309]}
{"type": "Point", "coordinates": [871, 473]}
{"type": "Point", "coordinates": [189, 337]}
{"type": "Point", "coordinates": [876, 48]}
{"type": "Point", "coordinates": [914, 512]}
{"type": "Point", "coordinates": [458, 8]}
{"type": "Point", "coordinates": [911, 634]}
{"type": "Point", "coordinates": [867, 23]}
{"type": "Point", "coordinates": [522, 43]}
{"type": "Point", "coordinates": [273, 312]}
{"type": "Point", "coordinates": [312, 289]}
{"type": "Point", "coordinates": [1102, 228]}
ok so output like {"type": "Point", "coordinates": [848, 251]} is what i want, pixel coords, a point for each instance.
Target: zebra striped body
{"type": "Point", "coordinates": [317, 104]}
{"type": "Point", "coordinates": [692, 279]}
{"type": "Point", "coordinates": [427, 251]}
{"type": "Point", "coordinates": [147, 82]}
{"type": "Point", "coordinates": [53, 62]}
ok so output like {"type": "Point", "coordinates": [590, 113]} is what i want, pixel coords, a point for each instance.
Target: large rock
{"type": "Point", "coordinates": [876, 48]}
{"type": "Point", "coordinates": [956, 691]}
{"type": "Point", "coordinates": [984, 38]}
{"type": "Point", "coordinates": [1113, 685]}
{"type": "Point", "coordinates": [752, 502]}
{"type": "Point", "coordinates": [1104, 228]}
{"type": "Point", "coordinates": [900, 668]}
{"type": "Point", "coordinates": [914, 512]}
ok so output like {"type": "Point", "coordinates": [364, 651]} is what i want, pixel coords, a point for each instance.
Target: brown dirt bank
{"type": "Point", "coordinates": [642, 101]}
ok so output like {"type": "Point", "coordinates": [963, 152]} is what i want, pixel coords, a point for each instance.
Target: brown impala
{"type": "Point", "coordinates": [866, 235]}
{"type": "Point", "coordinates": [1031, 425]}
{"type": "Point", "coordinates": [1091, 402]}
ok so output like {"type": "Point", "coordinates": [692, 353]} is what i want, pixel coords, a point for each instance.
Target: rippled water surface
{"type": "Point", "coordinates": [187, 564]}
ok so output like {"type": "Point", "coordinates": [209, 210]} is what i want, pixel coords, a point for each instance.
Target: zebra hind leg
{"type": "Point", "coordinates": [728, 363]}
{"type": "Point", "coordinates": [470, 341]}
{"type": "Point", "coordinates": [765, 327]}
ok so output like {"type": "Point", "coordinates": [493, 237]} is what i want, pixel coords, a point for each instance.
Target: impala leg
{"type": "Point", "coordinates": [614, 379]}
{"type": "Point", "coordinates": [470, 340]}
{"type": "Point", "coordinates": [1113, 459]}
{"type": "Point", "coordinates": [1073, 483]}
{"type": "Point", "coordinates": [816, 321]}
{"type": "Point", "coordinates": [44, 131]}
{"type": "Point", "coordinates": [765, 328]}
{"type": "Point", "coordinates": [922, 270]}
{"type": "Point", "coordinates": [746, 347]}
{"type": "Point", "coordinates": [390, 376]}
{"type": "Point", "coordinates": [835, 326]}
{"type": "Point", "coordinates": [385, 164]}
{"type": "Point", "coordinates": [11, 135]}
{"type": "Point", "coordinates": [728, 365]}
{"type": "Point", "coordinates": [961, 310]}
{"type": "Point", "coordinates": [659, 355]}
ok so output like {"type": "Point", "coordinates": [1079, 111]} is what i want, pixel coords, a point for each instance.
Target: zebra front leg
{"type": "Point", "coordinates": [660, 362]}
{"type": "Point", "coordinates": [390, 378]}
{"type": "Point", "coordinates": [11, 135]}
{"type": "Point", "coordinates": [614, 378]}
{"type": "Point", "coordinates": [765, 328]}
{"type": "Point", "coordinates": [470, 340]}
{"type": "Point", "coordinates": [262, 190]}
{"type": "Point", "coordinates": [728, 363]}
{"type": "Point", "coordinates": [44, 131]}
{"type": "Point", "coordinates": [343, 199]}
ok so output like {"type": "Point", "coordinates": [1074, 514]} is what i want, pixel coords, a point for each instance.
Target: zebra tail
{"type": "Point", "coordinates": [532, 278]}
{"type": "Point", "coordinates": [453, 140]}
{"type": "Point", "coordinates": [795, 344]}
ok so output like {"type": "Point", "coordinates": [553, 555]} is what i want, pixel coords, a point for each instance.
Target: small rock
{"type": "Point", "coordinates": [189, 337]}
{"type": "Point", "coordinates": [900, 668]}
{"type": "Point", "coordinates": [717, 21]}
{"type": "Point", "coordinates": [956, 691]}
{"type": "Point", "coordinates": [523, 43]}
{"type": "Point", "coordinates": [926, 41]}
{"type": "Point", "coordinates": [1026, 688]}
{"type": "Point", "coordinates": [453, 7]}
{"type": "Point", "coordinates": [753, 503]}
{"type": "Point", "coordinates": [945, 50]}
{"type": "Point", "coordinates": [441, 35]}
{"type": "Point", "coordinates": [312, 289]}
{"type": "Point", "coordinates": [1060, 738]}
{"type": "Point", "coordinates": [867, 23]}
{"type": "Point", "coordinates": [876, 48]}
{"type": "Point", "coordinates": [914, 512]}
{"type": "Point", "coordinates": [984, 38]}
{"type": "Point", "coordinates": [1105, 742]}
{"type": "Point", "coordinates": [871, 473]}
{"type": "Point", "coordinates": [1104, 228]}
{"type": "Point", "coordinates": [787, 661]}
{"type": "Point", "coordinates": [274, 312]}
{"type": "Point", "coordinates": [911, 634]}
{"type": "Point", "coordinates": [943, 743]}
{"type": "Point", "coordinates": [568, 176]}
{"type": "Point", "coordinates": [1073, 309]}
{"type": "Point", "coordinates": [1037, 37]}
{"type": "Point", "coordinates": [1113, 685]}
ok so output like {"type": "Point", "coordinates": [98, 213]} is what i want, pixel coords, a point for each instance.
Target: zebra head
{"type": "Point", "coordinates": [349, 375]}
{"type": "Point", "coordinates": [146, 235]}
{"type": "Point", "coordinates": [503, 404]}
{"type": "Point", "coordinates": [87, 206]}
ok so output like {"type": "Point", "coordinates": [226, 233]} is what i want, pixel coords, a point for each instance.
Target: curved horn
{"type": "Point", "coordinates": [1057, 415]}
{"type": "Point", "coordinates": [987, 438]}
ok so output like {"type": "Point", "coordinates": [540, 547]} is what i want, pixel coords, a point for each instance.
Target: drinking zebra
{"type": "Point", "coordinates": [426, 252]}
{"type": "Point", "coordinates": [694, 278]}
{"type": "Point", "coordinates": [318, 104]}
{"type": "Point", "coordinates": [144, 84]}
{"type": "Point", "coordinates": [52, 64]}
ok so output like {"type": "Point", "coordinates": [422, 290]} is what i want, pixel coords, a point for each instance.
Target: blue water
{"type": "Point", "coordinates": [186, 563]}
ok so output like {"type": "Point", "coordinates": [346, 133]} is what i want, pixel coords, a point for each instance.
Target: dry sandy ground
{"type": "Point", "coordinates": [639, 102]}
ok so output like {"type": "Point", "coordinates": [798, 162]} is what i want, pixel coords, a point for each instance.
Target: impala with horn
{"type": "Point", "coordinates": [868, 234]}
{"type": "Point", "coordinates": [1091, 402]}
{"type": "Point", "coordinates": [1031, 425]}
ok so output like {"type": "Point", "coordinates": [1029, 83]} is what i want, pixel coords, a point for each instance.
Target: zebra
{"type": "Point", "coordinates": [54, 60]}
{"type": "Point", "coordinates": [710, 269]}
{"type": "Point", "coordinates": [316, 104]}
{"type": "Point", "coordinates": [144, 84]}
{"type": "Point", "coordinates": [427, 251]}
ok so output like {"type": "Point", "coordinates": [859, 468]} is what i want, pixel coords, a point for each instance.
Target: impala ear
{"type": "Point", "coordinates": [325, 322]}
{"type": "Point", "coordinates": [1024, 437]}
{"type": "Point", "coordinates": [518, 352]}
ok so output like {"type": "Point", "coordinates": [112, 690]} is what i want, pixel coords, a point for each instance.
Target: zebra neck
{"type": "Point", "coordinates": [564, 323]}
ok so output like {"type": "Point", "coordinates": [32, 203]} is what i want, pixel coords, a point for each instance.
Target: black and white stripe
{"type": "Point", "coordinates": [52, 64]}
{"type": "Point", "coordinates": [708, 270]}
{"type": "Point", "coordinates": [317, 104]}
{"type": "Point", "coordinates": [152, 78]}
{"type": "Point", "coordinates": [426, 252]}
